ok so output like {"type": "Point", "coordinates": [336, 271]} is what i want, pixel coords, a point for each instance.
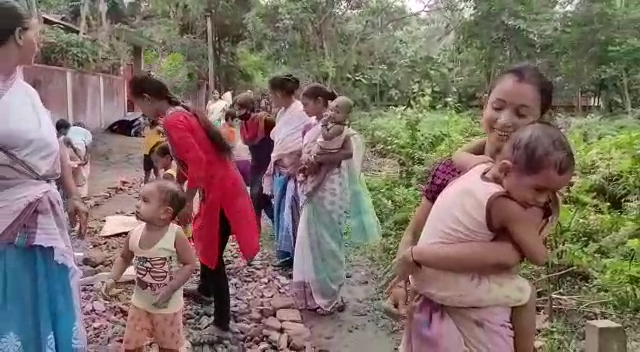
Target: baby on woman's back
{"type": "Point", "coordinates": [510, 196]}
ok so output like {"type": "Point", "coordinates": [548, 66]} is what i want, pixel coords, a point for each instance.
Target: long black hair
{"type": "Point", "coordinates": [12, 17]}
{"type": "Point", "coordinates": [144, 84]}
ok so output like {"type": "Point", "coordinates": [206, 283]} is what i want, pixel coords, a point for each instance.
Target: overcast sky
{"type": "Point", "coordinates": [415, 5]}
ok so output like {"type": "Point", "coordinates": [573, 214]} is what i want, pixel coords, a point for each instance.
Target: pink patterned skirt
{"type": "Point", "coordinates": [435, 328]}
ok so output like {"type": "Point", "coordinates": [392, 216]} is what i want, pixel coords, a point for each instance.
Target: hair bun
{"type": "Point", "coordinates": [291, 78]}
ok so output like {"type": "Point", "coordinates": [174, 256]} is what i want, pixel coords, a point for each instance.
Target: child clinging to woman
{"type": "Point", "coordinates": [163, 260]}
{"type": "Point", "coordinates": [241, 153]}
{"type": "Point", "coordinates": [163, 161]}
{"type": "Point", "coordinates": [333, 133]}
{"type": "Point", "coordinates": [491, 198]}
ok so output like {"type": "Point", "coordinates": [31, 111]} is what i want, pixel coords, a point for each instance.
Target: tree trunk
{"type": "Point", "coordinates": [625, 92]}
{"type": "Point", "coordinates": [84, 10]}
{"type": "Point", "coordinates": [579, 107]}
{"type": "Point", "coordinates": [104, 30]}
{"type": "Point", "coordinates": [211, 63]}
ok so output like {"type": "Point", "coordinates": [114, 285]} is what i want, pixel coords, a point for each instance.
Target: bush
{"type": "Point", "coordinates": [599, 229]}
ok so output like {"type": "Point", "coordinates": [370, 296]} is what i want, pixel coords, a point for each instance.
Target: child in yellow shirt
{"type": "Point", "coordinates": [162, 160]}
{"type": "Point", "coordinates": [153, 136]}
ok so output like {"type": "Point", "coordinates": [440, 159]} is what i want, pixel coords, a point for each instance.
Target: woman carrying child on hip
{"type": "Point", "coordinates": [520, 96]}
{"type": "Point", "coordinates": [164, 261]}
{"type": "Point", "coordinates": [504, 196]}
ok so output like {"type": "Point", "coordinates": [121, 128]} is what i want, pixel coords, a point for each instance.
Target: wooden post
{"type": "Point", "coordinates": [211, 63]}
{"type": "Point", "coordinates": [101, 123]}
{"type": "Point", "coordinates": [70, 116]}
{"type": "Point", "coordinates": [605, 336]}
{"type": "Point", "coordinates": [84, 11]}
{"type": "Point", "coordinates": [138, 60]}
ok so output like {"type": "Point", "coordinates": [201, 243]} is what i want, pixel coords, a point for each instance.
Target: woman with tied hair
{"type": "Point", "coordinates": [339, 201]}
{"type": "Point", "coordinates": [255, 130]}
{"type": "Point", "coordinates": [39, 293]}
{"type": "Point", "coordinates": [201, 152]}
{"type": "Point", "coordinates": [280, 178]}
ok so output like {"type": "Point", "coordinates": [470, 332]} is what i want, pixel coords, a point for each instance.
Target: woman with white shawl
{"type": "Point", "coordinates": [39, 292]}
{"type": "Point", "coordinates": [216, 107]}
{"type": "Point", "coordinates": [280, 178]}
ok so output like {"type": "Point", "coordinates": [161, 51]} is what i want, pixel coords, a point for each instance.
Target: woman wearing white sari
{"type": "Point", "coordinates": [341, 201]}
{"type": "Point", "coordinates": [216, 107]}
{"type": "Point", "coordinates": [280, 178]}
{"type": "Point", "coordinates": [39, 292]}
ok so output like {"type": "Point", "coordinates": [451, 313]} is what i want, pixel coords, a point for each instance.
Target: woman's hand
{"type": "Point", "coordinates": [396, 304]}
{"type": "Point", "coordinates": [403, 267]}
{"type": "Point", "coordinates": [78, 214]}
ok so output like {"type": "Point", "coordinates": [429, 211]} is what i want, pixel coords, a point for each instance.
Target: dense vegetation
{"type": "Point", "coordinates": [597, 240]}
{"type": "Point", "coordinates": [381, 51]}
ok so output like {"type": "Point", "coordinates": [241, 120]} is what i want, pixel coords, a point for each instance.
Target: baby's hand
{"type": "Point", "coordinates": [107, 288]}
{"type": "Point", "coordinates": [163, 298]}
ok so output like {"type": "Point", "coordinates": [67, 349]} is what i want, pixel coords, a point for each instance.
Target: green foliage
{"type": "Point", "coordinates": [381, 53]}
{"type": "Point", "coordinates": [59, 48]}
{"type": "Point", "coordinates": [599, 229]}
{"type": "Point", "coordinates": [173, 69]}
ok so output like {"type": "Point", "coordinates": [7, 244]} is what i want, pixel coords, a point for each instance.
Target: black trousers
{"type": "Point", "coordinates": [214, 282]}
{"type": "Point", "coordinates": [261, 202]}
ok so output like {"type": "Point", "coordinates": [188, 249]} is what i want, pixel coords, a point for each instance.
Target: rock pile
{"type": "Point", "coordinates": [264, 316]}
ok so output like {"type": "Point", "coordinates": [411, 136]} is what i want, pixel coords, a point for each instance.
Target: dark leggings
{"type": "Point", "coordinates": [214, 282]}
{"type": "Point", "coordinates": [261, 202]}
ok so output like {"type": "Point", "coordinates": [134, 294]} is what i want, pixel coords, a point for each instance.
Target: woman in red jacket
{"type": "Point", "coordinates": [202, 153]}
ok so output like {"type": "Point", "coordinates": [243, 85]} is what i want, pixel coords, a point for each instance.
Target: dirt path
{"type": "Point", "coordinates": [258, 291]}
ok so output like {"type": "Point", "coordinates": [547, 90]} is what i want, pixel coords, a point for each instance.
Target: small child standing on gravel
{"type": "Point", "coordinates": [163, 260]}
